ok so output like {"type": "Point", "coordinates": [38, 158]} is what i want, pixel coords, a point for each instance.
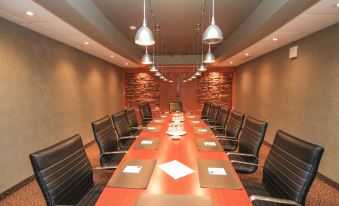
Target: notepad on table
{"type": "Point", "coordinates": [176, 169]}
{"type": "Point", "coordinates": [146, 142]}
{"type": "Point", "coordinates": [210, 144]}
{"type": "Point", "coordinates": [216, 171]}
{"type": "Point", "coordinates": [132, 169]}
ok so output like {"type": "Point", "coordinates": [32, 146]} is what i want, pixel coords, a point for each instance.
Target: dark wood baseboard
{"type": "Point", "coordinates": [26, 181]}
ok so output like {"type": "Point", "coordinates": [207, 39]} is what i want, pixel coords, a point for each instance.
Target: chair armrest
{"type": "Point", "coordinates": [127, 137]}
{"type": "Point", "coordinates": [215, 127]}
{"type": "Point", "coordinates": [111, 153]}
{"type": "Point", "coordinates": [241, 154]}
{"type": "Point", "coordinates": [139, 128]}
{"type": "Point", "coordinates": [105, 168]}
{"type": "Point", "coordinates": [245, 163]}
{"type": "Point", "coordinates": [273, 199]}
{"type": "Point", "coordinates": [147, 118]}
{"type": "Point", "coordinates": [228, 139]}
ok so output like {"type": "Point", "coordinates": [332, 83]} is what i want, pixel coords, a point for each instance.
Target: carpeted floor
{"type": "Point", "coordinates": [321, 193]}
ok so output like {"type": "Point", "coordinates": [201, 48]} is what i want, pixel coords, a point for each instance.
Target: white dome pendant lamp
{"type": "Point", "coordinates": [146, 59]}
{"type": "Point", "coordinates": [144, 35]}
{"type": "Point", "coordinates": [213, 33]}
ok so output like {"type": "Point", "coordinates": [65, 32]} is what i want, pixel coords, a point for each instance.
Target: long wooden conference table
{"type": "Point", "coordinates": [183, 150]}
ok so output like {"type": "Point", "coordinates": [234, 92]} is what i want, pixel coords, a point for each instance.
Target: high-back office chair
{"type": "Point", "coordinates": [107, 140]}
{"type": "Point", "coordinates": [175, 107]}
{"type": "Point", "coordinates": [212, 114]}
{"type": "Point", "coordinates": [288, 172]}
{"type": "Point", "coordinates": [221, 119]}
{"type": "Point", "coordinates": [145, 113]}
{"type": "Point", "coordinates": [132, 118]}
{"type": "Point", "coordinates": [250, 141]}
{"type": "Point", "coordinates": [125, 133]}
{"type": "Point", "coordinates": [232, 128]}
{"type": "Point", "coordinates": [64, 174]}
{"type": "Point", "coordinates": [205, 110]}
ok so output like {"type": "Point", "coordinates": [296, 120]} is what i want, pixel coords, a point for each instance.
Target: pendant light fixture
{"type": "Point", "coordinates": [146, 59]}
{"type": "Point", "coordinates": [209, 56]}
{"type": "Point", "coordinates": [202, 67]}
{"type": "Point", "coordinates": [197, 73]}
{"type": "Point", "coordinates": [153, 68]}
{"type": "Point", "coordinates": [157, 74]}
{"type": "Point", "coordinates": [144, 35]}
{"type": "Point", "coordinates": [212, 34]}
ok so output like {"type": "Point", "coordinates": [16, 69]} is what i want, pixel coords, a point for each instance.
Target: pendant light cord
{"type": "Point", "coordinates": [213, 20]}
{"type": "Point", "coordinates": [202, 30]}
{"type": "Point", "coordinates": [144, 23]}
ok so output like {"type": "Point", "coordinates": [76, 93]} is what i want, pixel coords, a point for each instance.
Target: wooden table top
{"type": "Point", "coordinates": [183, 150]}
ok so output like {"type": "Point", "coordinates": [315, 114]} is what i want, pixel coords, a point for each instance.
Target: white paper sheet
{"type": "Point", "coordinates": [175, 169]}
{"type": "Point", "coordinates": [202, 130]}
{"type": "Point", "coordinates": [132, 169]}
{"type": "Point", "coordinates": [146, 142]}
{"type": "Point", "coordinates": [151, 128]}
{"type": "Point", "coordinates": [210, 144]}
{"type": "Point", "coordinates": [163, 116]}
{"type": "Point", "coordinates": [216, 171]}
{"type": "Point", "coordinates": [195, 122]}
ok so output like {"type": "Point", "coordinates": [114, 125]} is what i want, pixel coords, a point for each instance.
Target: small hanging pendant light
{"type": "Point", "coordinates": [157, 74]}
{"type": "Point", "coordinates": [153, 68]}
{"type": "Point", "coordinates": [213, 33]}
{"type": "Point", "coordinates": [144, 35]}
{"type": "Point", "coordinates": [197, 73]}
{"type": "Point", "coordinates": [209, 56]}
{"type": "Point", "coordinates": [146, 59]}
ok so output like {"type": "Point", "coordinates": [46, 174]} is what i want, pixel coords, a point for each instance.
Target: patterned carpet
{"type": "Point", "coordinates": [321, 193]}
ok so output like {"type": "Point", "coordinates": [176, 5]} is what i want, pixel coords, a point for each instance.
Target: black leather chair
{"type": "Point", "coordinates": [250, 140]}
{"type": "Point", "coordinates": [288, 172]}
{"type": "Point", "coordinates": [145, 113]}
{"type": "Point", "coordinates": [175, 107]}
{"type": "Point", "coordinates": [205, 110]}
{"type": "Point", "coordinates": [65, 175]}
{"type": "Point", "coordinates": [221, 119]}
{"type": "Point", "coordinates": [132, 118]}
{"type": "Point", "coordinates": [213, 113]}
{"type": "Point", "coordinates": [231, 131]}
{"type": "Point", "coordinates": [125, 133]}
{"type": "Point", "coordinates": [111, 149]}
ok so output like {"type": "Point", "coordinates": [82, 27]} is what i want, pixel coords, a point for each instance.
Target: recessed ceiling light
{"type": "Point", "coordinates": [246, 54]}
{"type": "Point", "coordinates": [231, 62]}
{"type": "Point", "coordinates": [29, 13]}
{"type": "Point", "coordinates": [112, 56]}
{"type": "Point", "coordinates": [86, 43]}
{"type": "Point", "coordinates": [132, 27]}
{"type": "Point", "coordinates": [126, 63]}
{"type": "Point", "coordinates": [275, 39]}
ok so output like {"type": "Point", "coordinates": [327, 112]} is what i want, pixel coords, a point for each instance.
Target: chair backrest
{"type": "Point", "coordinates": [132, 117]}
{"type": "Point", "coordinates": [149, 109]}
{"type": "Point", "coordinates": [105, 135]}
{"type": "Point", "coordinates": [291, 166]}
{"type": "Point", "coordinates": [252, 136]}
{"type": "Point", "coordinates": [63, 171]}
{"type": "Point", "coordinates": [121, 124]}
{"type": "Point", "coordinates": [222, 116]}
{"type": "Point", "coordinates": [175, 106]}
{"type": "Point", "coordinates": [213, 112]}
{"type": "Point", "coordinates": [205, 109]}
{"type": "Point", "coordinates": [144, 110]}
{"type": "Point", "coordinates": [234, 124]}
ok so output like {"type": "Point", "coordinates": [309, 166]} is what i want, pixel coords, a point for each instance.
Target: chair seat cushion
{"type": "Point", "coordinates": [243, 168]}
{"type": "Point", "coordinates": [218, 132]}
{"type": "Point", "coordinates": [111, 159]}
{"type": "Point", "coordinates": [125, 144]}
{"type": "Point", "coordinates": [92, 196]}
{"type": "Point", "coordinates": [255, 188]}
{"type": "Point", "coordinates": [228, 145]}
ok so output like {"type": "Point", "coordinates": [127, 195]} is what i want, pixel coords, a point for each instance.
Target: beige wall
{"type": "Point", "coordinates": [49, 91]}
{"type": "Point", "coordinates": [300, 96]}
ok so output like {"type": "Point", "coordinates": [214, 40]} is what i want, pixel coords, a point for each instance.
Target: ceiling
{"type": "Point", "coordinates": [248, 26]}
{"type": "Point", "coordinates": [177, 19]}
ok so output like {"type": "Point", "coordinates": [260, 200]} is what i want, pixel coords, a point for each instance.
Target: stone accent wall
{"type": "Point", "coordinates": [141, 87]}
{"type": "Point", "coordinates": [215, 87]}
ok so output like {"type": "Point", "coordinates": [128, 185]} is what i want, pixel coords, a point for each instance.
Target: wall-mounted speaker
{"type": "Point", "coordinates": [293, 52]}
